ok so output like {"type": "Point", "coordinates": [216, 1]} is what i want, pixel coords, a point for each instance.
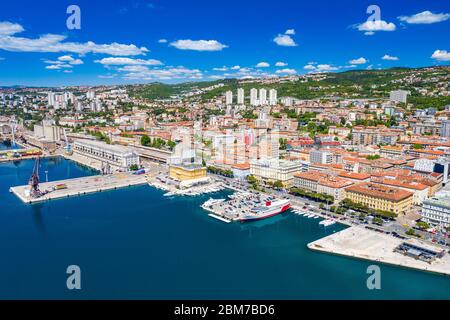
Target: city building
{"type": "Point", "coordinates": [240, 96]}
{"type": "Point", "coordinates": [379, 197]}
{"type": "Point", "coordinates": [263, 97]}
{"type": "Point", "coordinates": [445, 130]}
{"type": "Point", "coordinates": [254, 97]}
{"type": "Point", "coordinates": [273, 97]}
{"type": "Point", "coordinates": [186, 172]}
{"type": "Point", "coordinates": [117, 157]}
{"type": "Point", "coordinates": [321, 157]}
{"type": "Point", "coordinates": [436, 211]}
{"type": "Point", "coordinates": [272, 170]}
{"type": "Point", "coordinates": [229, 97]}
{"type": "Point", "coordinates": [309, 180]}
{"type": "Point", "coordinates": [399, 96]}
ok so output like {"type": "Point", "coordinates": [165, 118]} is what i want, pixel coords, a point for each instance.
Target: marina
{"type": "Point", "coordinates": [245, 206]}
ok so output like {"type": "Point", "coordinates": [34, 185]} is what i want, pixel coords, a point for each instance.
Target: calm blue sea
{"type": "Point", "coordinates": [8, 146]}
{"type": "Point", "coordinates": [136, 244]}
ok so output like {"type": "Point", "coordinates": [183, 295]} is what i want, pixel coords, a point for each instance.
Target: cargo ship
{"type": "Point", "coordinates": [270, 209]}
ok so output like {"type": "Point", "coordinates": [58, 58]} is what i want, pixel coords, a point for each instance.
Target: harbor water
{"type": "Point", "coordinates": [134, 243]}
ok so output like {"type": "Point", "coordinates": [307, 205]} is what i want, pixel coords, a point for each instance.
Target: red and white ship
{"type": "Point", "coordinates": [269, 210]}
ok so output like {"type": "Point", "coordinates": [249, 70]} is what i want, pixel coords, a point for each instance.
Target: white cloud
{"type": "Point", "coordinates": [370, 27]}
{"type": "Point", "coordinates": [361, 60]}
{"type": "Point", "coordinates": [235, 68]}
{"type": "Point", "coordinates": [8, 28]}
{"type": "Point", "coordinates": [370, 67]}
{"type": "Point", "coordinates": [68, 71]}
{"type": "Point", "coordinates": [290, 32]}
{"type": "Point", "coordinates": [162, 41]}
{"type": "Point", "coordinates": [263, 65]}
{"type": "Point", "coordinates": [320, 68]}
{"type": "Point", "coordinates": [142, 72]}
{"type": "Point", "coordinates": [441, 55]}
{"type": "Point", "coordinates": [55, 43]}
{"type": "Point", "coordinates": [281, 64]}
{"type": "Point", "coordinates": [390, 58]}
{"type": "Point", "coordinates": [286, 71]}
{"type": "Point", "coordinates": [120, 61]}
{"type": "Point", "coordinates": [284, 40]}
{"type": "Point", "coordinates": [425, 17]}
{"type": "Point", "coordinates": [58, 66]}
{"type": "Point", "coordinates": [221, 69]}
{"type": "Point", "coordinates": [350, 66]}
{"type": "Point", "coordinates": [199, 45]}
{"type": "Point", "coordinates": [70, 59]}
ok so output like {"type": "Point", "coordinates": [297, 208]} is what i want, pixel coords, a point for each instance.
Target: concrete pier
{"type": "Point", "coordinates": [80, 186]}
{"type": "Point", "coordinates": [359, 242]}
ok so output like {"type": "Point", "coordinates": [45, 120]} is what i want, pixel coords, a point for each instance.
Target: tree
{"type": "Point", "coordinates": [278, 184]}
{"type": "Point", "coordinates": [134, 167]}
{"type": "Point", "coordinates": [145, 140]}
{"type": "Point", "coordinates": [422, 225]}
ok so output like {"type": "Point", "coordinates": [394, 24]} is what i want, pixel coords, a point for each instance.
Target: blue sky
{"type": "Point", "coordinates": [175, 41]}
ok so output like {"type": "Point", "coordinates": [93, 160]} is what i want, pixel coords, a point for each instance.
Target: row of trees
{"type": "Point", "coordinates": [221, 172]}
{"type": "Point", "coordinates": [157, 143]}
{"type": "Point", "coordinates": [312, 195]}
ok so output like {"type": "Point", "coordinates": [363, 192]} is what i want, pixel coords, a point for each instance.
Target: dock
{"type": "Point", "coordinates": [361, 243]}
{"type": "Point", "coordinates": [79, 186]}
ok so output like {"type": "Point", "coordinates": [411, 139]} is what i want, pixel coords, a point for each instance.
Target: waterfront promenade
{"type": "Point", "coordinates": [359, 242]}
{"type": "Point", "coordinates": [80, 186]}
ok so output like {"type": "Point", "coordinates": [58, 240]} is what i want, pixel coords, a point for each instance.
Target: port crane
{"type": "Point", "coordinates": [35, 192]}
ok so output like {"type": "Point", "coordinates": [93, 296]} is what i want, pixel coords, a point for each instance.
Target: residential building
{"type": "Point", "coordinates": [271, 170]}
{"type": "Point", "coordinates": [379, 197]}
{"type": "Point", "coordinates": [240, 96]}
{"type": "Point", "coordinates": [229, 97]}
{"type": "Point", "coordinates": [399, 96]}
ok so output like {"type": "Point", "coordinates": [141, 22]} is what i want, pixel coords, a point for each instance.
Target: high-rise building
{"type": "Point", "coordinates": [321, 157]}
{"type": "Point", "coordinates": [399, 96]}
{"type": "Point", "coordinates": [51, 98]}
{"type": "Point", "coordinates": [445, 130]}
{"type": "Point", "coordinates": [254, 97]}
{"type": "Point", "coordinates": [263, 97]}
{"type": "Point", "coordinates": [229, 97]}
{"type": "Point", "coordinates": [240, 96]}
{"type": "Point", "coordinates": [273, 97]}
{"type": "Point", "coordinates": [90, 95]}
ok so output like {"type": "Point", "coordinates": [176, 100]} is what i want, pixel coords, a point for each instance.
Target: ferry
{"type": "Point", "coordinates": [270, 209]}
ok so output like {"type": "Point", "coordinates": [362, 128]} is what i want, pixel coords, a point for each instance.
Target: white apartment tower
{"type": "Point", "coordinates": [263, 97]}
{"type": "Point", "coordinates": [240, 96]}
{"type": "Point", "coordinates": [273, 97]}
{"type": "Point", "coordinates": [254, 97]}
{"type": "Point", "coordinates": [229, 97]}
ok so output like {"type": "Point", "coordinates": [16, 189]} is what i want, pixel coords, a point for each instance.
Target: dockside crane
{"type": "Point", "coordinates": [35, 192]}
